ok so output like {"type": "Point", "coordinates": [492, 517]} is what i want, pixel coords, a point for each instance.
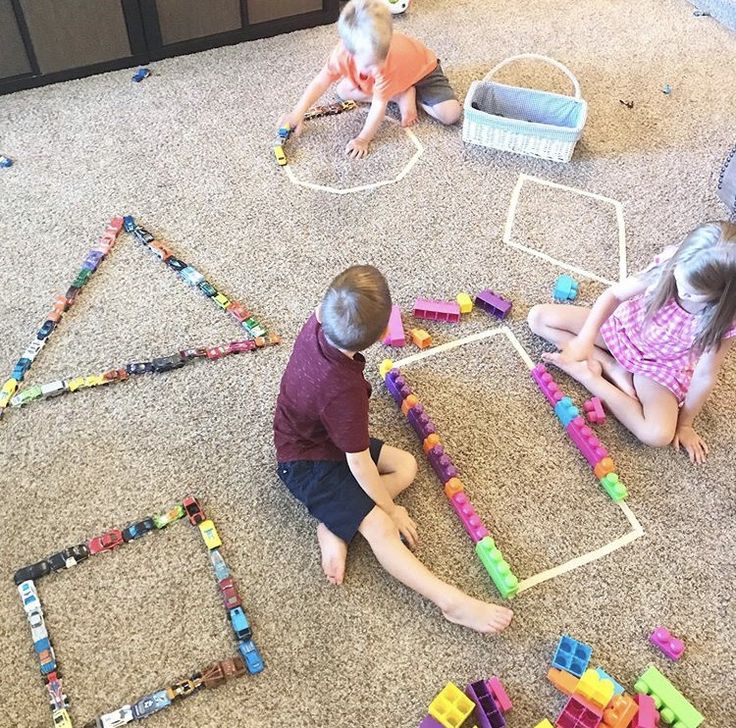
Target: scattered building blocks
{"type": "Point", "coordinates": [670, 645]}
{"type": "Point", "coordinates": [395, 335]}
{"type": "Point", "coordinates": [470, 519]}
{"type": "Point", "coordinates": [563, 680]}
{"type": "Point", "coordinates": [492, 303]}
{"type": "Point", "coordinates": [675, 708]}
{"type": "Point", "coordinates": [451, 706]}
{"type": "Point", "coordinates": [487, 713]}
{"type": "Point", "coordinates": [617, 687]}
{"type": "Point", "coordinates": [578, 713]}
{"type": "Point", "coordinates": [566, 289]}
{"type": "Point", "coordinates": [497, 567]}
{"type": "Point", "coordinates": [595, 689]}
{"type": "Point", "coordinates": [572, 656]}
{"type": "Point", "coordinates": [465, 302]}
{"type": "Point", "coordinates": [499, 694]}
{"type": "Point", "coordinates": [420, 338]}
{"type": "Point", "coordinates": [437, 310]}
{"type": "Point", "coordinates": [620, 712]}
{"type": "Point", "coordinates": [594, 411]}
{"type": "Point", "coordinates": [647, 717]}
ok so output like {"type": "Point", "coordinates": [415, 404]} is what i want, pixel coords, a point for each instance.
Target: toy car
{"type": "Point", "coordinates": [47, 658]}
{"type": "Point", "coordinates": [191, 276]}
{"type": "Point", "coordinates": [38, 626]}
{"type": "Point", "coordinates": [5, 161]}
{"type": "Point", "coordinates": [233, 667]}
{"type": "Point", "coordinates": [151, 704]}
{"type": "Point", "coordinates": [107, 542]}
{"type": "Point", "coordinates": [136, 530]}
{"type": "Point", "coordinates": [121, 716]}
{"type": "Point", "coordinates": [284, 132]}
{"type": "Point", "coordinates": [213, 675]}
{"type": "Point", "coordinates": [221, 300]}
{"type": "Point", "coordinates": [239, 623]}
{"type": "Point", "coordinates": [46, 329]}
{"type": "Point", "coordinates": [173, 514]}
{"type": "Point", "coordinates": [29, 596]}
{"type": "Point", "coordinates": [57, 698]}
{"type": "Point", "coordinates": [167, 363]}
{"type": "Point", "coordinates": [230, 595]}
{"type": "Point", "coordinates": [52, 389]}
{"type": "Point", "coordinates": [176, 263]}
{"type": "Point", "coordinates": [251, 656]}
{"type": "Point", "coordinates": [42, 644]}
{"type": "Point", "coordinates": [216, 352]}
{"type": "Point", "coordinates": [129, 223]}
{"type": "Point", "coordinates": [197, 353]}
{"type": "Point", "coordinates": [61, 719]}
{"type": "Point", "coordinates": [278, 152]}
{"type": "Point", "coordinates": [181, 689]}
{"type": "Point", "coordinates": [218, 564]}
{"type": "Point", "coordinates": [208, 289]}
{"type": "Point", "coordinates": [238, 312]}
{"type": "Point", "coordinates": [32, 572]}
{"type": "Point", "coordinates": [142, 367]}
{"type": "Point", "coordinates": [238, 347]}
{"type": "Point", "coordinates": [140, 74]}
{"type": "Point", "coordinates": [209, 534]}
{"type": "Point", "coordinates": [193, 510]}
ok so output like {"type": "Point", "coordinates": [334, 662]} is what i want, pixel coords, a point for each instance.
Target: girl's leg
{"type": "Point", "coordinates": [398, 469]}
{"type": "Point", "coordinates": [448, 112]}
{"type": "Point", "coordinates": [378, 529]}
{"type": "Point", "coordinates": [347, 92]}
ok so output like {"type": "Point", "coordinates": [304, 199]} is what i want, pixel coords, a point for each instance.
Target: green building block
{"type": "Point", "coordinates": [614, 487]}
{"type": "Point", "coordinates": [673, 707]}
{"type": "Point", "coordinates": [497, 567]}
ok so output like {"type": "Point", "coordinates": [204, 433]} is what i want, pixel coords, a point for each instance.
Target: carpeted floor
{"type": "Point", "coordinates": [188, 153]}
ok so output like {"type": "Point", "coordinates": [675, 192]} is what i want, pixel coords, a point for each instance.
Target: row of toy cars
{"type": "Point", "coordinates": [248, 659]}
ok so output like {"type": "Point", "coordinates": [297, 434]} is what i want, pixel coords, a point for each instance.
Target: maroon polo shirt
{"type": "Point", "coordinates": [322, 408]}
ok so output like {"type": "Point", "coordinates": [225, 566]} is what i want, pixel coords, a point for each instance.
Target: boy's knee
{"type": "Point", "coordinates": [409, 467]}
{"type": "Point", "coordinates": [377, 526]}
{"type": "Point", "coordinates": [535, 318]}
{"type": "Point", "coordinates": [449, 112]}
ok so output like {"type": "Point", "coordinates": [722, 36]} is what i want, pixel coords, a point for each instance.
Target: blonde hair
{"type": "Point", "coordinates": [356, 307]}
{"type": "Point", "coordinates": [366, 25]}
{"type": "Point", "coordinates": [708, 258]}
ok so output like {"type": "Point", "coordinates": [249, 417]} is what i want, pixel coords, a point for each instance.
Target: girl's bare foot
{"type": "Point", "coordinates": [615, 373]}
{"type": "Point", "coordinates": [407, 103]}
{"type": "Point", "coordinates": [334, 553]}
{"type": "Point", "coordinates": [480, 616]}
{"type": "Point", "coordinates": [581, 371]}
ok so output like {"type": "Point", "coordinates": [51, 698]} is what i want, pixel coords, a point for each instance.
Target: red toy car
{"type": "Point", "coordinates": [107, 542]}
{"type": "Point", "coordinates": [229, 594]}
{"type": "Point", "coordinates": [194, 510]}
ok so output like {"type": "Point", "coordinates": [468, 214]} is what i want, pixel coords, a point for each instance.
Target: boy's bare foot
{"type": "Point", "coordinates": [480, 616]}
{"type": "Point", "coordinates": [407, 103]}
{"type": "Point", "coordinates": [334, 553]}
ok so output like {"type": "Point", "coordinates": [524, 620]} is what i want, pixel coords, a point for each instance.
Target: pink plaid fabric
{"type": "Point", "coordinates": [660, 349]}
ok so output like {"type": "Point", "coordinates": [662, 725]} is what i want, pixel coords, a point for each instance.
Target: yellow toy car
{"type": "Point", "coordinates": [209, 534]}
{"type": "Point", "coordinates": [61, 719]}
{"type": "Point", "coordinates": [278, 152]}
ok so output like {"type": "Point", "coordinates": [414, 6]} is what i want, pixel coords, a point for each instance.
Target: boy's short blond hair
{"type": "Point", "coordinates": [366, 25]}
{"type": "Point", "coordinates": [356, 308]}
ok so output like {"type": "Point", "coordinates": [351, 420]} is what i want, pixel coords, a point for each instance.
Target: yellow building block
{"type": "Point", "coordinates": [465, 302]}
{"type": "Point", "coordinates": [385, 367]}
{"type": "Point", "coordinates": [209, 534]}
{"type": "Point", "coordinates": [451, 707]}
{"type": "Point", "coordinates": [594, 688]}
{"type": "Point", "coordinates": [544, 724]}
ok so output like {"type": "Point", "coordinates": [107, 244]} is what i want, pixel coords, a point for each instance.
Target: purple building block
{"type": "Point", "coordinates": [397, 386]}
{"type": "Point", "coordinates": [493, 303]}
{"type": "Point", "coordinates": [579, 714]}
{"type": "Point", "coordinates": [588, 444]}
{"type": "Point", "coordinates": [547, 384]}
{"type": "Point", "coordinates": [487, 712]}
{"type": "Point", "coordinates": [670, 645]}
{"type": "Point", "coordinates": [395, 335]}
{"type": "Point", "coordinates": [429, 722]}
{"type": "Point", "coordinates": [437, 310]}
{"type": "Point", "coordinates": [442, 464]}
{"type": "Point", "coordinates": [418, 419]}
{"type": "Point", "coordinates": [470, 519]}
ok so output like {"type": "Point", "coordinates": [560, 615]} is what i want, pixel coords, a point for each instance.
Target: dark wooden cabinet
{"type": "Point", "coordinates": [45, 41]}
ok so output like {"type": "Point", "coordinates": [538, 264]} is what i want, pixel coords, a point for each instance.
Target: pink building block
{"type": "Point", "coordinates": [579, 713]}
{"type": "Point", "coordinates": [588, 444]}
{"type": "Point", "coordinates": [547, 384]}
{"type": "Point", "coordinates": [437, 310]}
{"type": "Point", "coordinates": [442, 464]}
{"type": "Point", "coordinates": [594, 411]}
{"type": "Point", "coordinates": [499, 693]}
{"type": "Point", "coordinates": [395, 335]}
{"type": "Point", "coordinates": [647, 717]}
{"type": "Point", "coordinates": [670, 645]}
{"type": "Point", "coordinates": [470, 519]}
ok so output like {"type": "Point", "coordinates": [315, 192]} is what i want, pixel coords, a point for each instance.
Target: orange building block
{"type": "Point", "coordinates": [421, 338]}
{"type": "Point", "coordinates": [429, 442]}
{"type": "Point", "coordinates": [408, 403]}
{"type": "Point", "coordinates": [604, 467]}
{"type": "Point", "coordinates": [453, 486]}
{"type": "Point", "coordinates": [564, 681]}
{"type": "Point", "coordinates": [620, 712]}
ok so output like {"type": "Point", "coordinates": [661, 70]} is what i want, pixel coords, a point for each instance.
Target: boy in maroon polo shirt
{"type": "Point", "coordinates": [346, 479]}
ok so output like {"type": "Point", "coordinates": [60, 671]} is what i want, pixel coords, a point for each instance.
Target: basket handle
{"type": "Point", "coordinates": [537, 57]}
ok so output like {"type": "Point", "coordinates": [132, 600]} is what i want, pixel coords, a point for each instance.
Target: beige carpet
{"type": "Point", "coordinates": [188, 153]}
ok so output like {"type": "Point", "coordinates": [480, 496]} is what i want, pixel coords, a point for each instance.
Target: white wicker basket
{"type": "Point", "coordinates": [522, 120]}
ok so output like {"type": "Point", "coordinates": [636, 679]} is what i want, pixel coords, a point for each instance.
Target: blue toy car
{"type": "Point", "coordinates": [239, 623]}
{"type": "Point", "coordinates": [249, 653]}
{"type": "Point", "coordinates": [129, 223]}
{"type": "Point", "coordinates": [140, 74]}
{"type": "Point", "coordinates": [151, 704]}
{"type": "Point", "coordinates": [5, 161]}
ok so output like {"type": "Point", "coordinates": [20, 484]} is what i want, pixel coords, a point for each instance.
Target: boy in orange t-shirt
{"type": "Point", "coordinates": [376, 65]}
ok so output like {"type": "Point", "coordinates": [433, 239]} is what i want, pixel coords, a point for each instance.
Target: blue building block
{"type": "Point", "coordinates": [566, 411]}
{"type": "Point", "coordinates": [617, 688]}
{"type": "Point", "coordinates": [566, 289]}
{"type": "Point", "coordinates": [572, 656]}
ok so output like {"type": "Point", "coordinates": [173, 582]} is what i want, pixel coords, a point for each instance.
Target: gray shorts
{"type": "Point", "coordinates": [434, 88]}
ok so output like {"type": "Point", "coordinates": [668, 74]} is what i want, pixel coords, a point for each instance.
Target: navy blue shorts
{"type": "Point", "coordinates": [330, 491]}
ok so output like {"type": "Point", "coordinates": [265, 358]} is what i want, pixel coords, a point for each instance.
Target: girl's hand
{"type": "Point", "coordinates": [296, 122]}
{"type": "Point", "coordinates": [688, 439]}
{"type": "Point", "coordinates": [357, 148]}
{"type": "Point", "coordinates": [575, 351]}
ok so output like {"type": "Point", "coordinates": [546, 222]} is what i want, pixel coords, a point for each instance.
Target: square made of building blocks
{"type": "Point", "coordinates": [451, 706]}
{"type": "Point", "coordinates": [572, 656]}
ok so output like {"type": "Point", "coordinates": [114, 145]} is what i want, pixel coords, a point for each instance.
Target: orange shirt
{"type": "Point", "coordinates": [407, 62]}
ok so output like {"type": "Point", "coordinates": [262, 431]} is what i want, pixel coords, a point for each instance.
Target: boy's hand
{"type": "Point", "coordinates": [688, 439]}
{"type": "Point", "coordinates": [407, 528]}
{"type": "Point", "coordinates": [295, 121]}
{"type": "Point", "coordinates": [357, 148]}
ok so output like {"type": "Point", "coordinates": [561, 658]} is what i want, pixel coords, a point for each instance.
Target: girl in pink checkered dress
{"type": "Point", "coordinates": [651, 346]}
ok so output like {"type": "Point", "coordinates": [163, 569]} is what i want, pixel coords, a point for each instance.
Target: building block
{"type": "Point", "coordinates": [544, 724]}
{"type": "Point", "coordinates": [429, 722]}
{"type": "Point", "coordinates": [566, 289]}
{"type": "Point", "coordinates": [647, 717]}
{"type": "Point", "coordinates": [454, 486]}
{"type": "Point", "coordinates": [563, 680]}
{"type": "Point", "coordinates": [487, 712]}
{"type": "Point", "coordinates": [595, 689]}
{"type": "Point", "coordinates": [397, 386]}
{"type": "Point", "coordinates": [437, 310]}
{"type": "Point", "coordinates": [385, 367]}
{"type": "Point", "coordinates": [617, 687]}
{"type": "Point", "coordinates": [420, 338]}
{"type": "Point", "coordinates": [588, 444]}
{"type": "Point", "coordinates": [499, 694]}
{"type": "Point", "coordinates": [546, 384]}
{"type": "Point", "coordinates": [451, 706]}
{"type": "Point", "coordinates": [430, 441]}
{"type": "Point", "coordinates": [409, 403]}
{"type": "Point", "coordinates": [594, 411]}
{"type": "Point", "coordinates": [395, 334]}
{"type": "Point", "coordinates": [497, 567]}
{"type": "Point", "coordinates": [620, 712]}
{"type": "Point", "coordinates": [566, 411]}
{"type": "Point", "coordinates": [422, 425]}
{"type": "Point", "coordinates": [572, 656]}
{"type": "Point", "coordinates": [465, 302]}
{"type": "Point", "coordinates": [470, 519]}
{"type": "Point", "coordinates": [675, 708]}
{"type": "Point", "coordinates": [442, 464]}
{"type": "Point", "coordinates": [604, 467]}
{"type": "Point", "coordinates": [492, 303]}
{"type": "Point", "coordinates": [614, 487]}
{"type": "Point", "coordinates": [578, 713]}
{"type": "Point", "coordinates": [668, 643]}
